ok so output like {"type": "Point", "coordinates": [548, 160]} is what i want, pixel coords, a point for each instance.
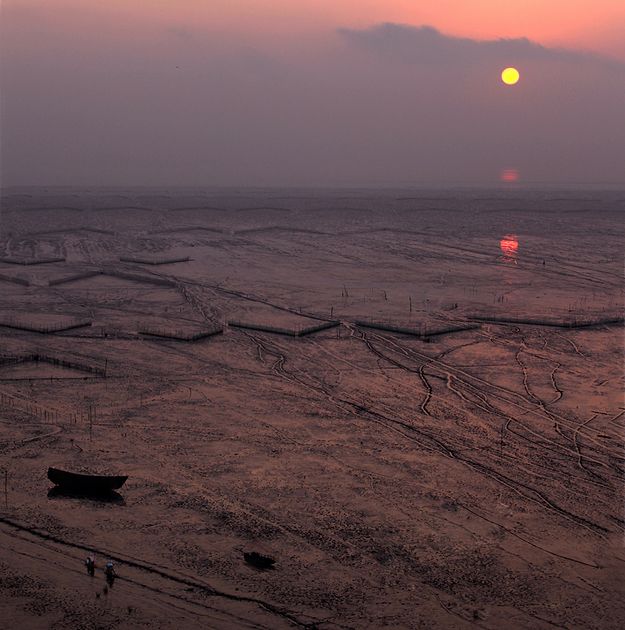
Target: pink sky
{"type": "Point", "coordinates": [591, 24]}
{"type": "Point", "coordinates": [595, 24]}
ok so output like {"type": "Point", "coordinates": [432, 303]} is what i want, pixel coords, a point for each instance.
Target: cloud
{"type": "Point", "coordinates": [426, 45]}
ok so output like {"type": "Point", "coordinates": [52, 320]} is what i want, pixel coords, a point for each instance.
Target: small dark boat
{"type": "Point", "coordinates": [78, 482]}
{"type": "Point", "coordinates": [258, 560]}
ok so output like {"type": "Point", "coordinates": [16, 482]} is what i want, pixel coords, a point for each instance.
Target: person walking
{"type": "Point", "coordinates": [109, 572]}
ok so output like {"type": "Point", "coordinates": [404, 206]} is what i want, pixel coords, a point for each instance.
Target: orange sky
{"type": "Point", "coordinates": [598, 24]}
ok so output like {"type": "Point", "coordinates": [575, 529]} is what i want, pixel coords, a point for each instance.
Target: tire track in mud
{"type": "Point", "coordinates": [532, 397]}
{"type": "Point", "coordinates": [448, 370]}
{"type": "Point", "coordinates": [484, 407]}
{"type": "Point", "coordinates": [536, 406]}
{"type": "Point", "coordinates": [545, 442]}
{"type": "Point", "coordinates": [559, 392]}
{"type": "Point", "coordinates": [279, 369]}
{"type": "Point", "coordinates": [428, 391]}
{"type": "Point", "coordinates": [490, 472]}
{"type": "Point", "coordinates": [347, 406]}
{"type": "Point", "coordinates": [572, 344]}
{"type": "Point", "coordinates": [539, 401]}
{"type": "Point", "coordinates": [430, 442]}
{"type": "Point", "coordinates": [543, 405]}
{"type": "Point", "coordinates": [559, 420]}
{"type": "Point", "coordinates": [420, 371]}
{"type": "Point", "coordinates": [580, 462]}
{"type": "Point", "coordinates": [506, 427]}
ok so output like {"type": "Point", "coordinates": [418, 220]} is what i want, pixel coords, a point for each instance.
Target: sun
{"type": "Point", "coordinates": [510, 76]}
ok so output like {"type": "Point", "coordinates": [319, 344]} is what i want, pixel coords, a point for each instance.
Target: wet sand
{"type": "Point", "coordinates": [399, 480]}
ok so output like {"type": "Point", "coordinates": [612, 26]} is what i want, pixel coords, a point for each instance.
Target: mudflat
{"type": "Point", "coordinates": [411, 400]}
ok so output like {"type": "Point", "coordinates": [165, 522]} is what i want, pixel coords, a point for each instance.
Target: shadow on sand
{"type": "Point", "coordinates": [109, 496]}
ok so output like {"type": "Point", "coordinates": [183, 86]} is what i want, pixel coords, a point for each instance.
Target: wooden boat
{"type": "Point", "coordinates": [78, 482]}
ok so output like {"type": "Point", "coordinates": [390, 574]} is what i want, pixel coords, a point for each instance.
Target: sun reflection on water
{"type": "Point", "coordinates": [509, 246]}
{"type": "Point", "coordinates": [509, 175]}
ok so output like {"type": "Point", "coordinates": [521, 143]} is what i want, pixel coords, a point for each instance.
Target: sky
{"type": "Point", "coordinates": [311, 93]}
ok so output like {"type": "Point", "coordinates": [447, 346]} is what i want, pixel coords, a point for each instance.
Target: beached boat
{"type": "Point", "coordinates": [78, 482]}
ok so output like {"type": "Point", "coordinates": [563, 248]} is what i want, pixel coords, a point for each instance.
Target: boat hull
{"type": "Point", "coordinates": [85, 483]}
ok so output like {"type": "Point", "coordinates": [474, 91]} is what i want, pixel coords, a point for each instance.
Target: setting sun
{"type": "Point", "coordinates": [510, 76]}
